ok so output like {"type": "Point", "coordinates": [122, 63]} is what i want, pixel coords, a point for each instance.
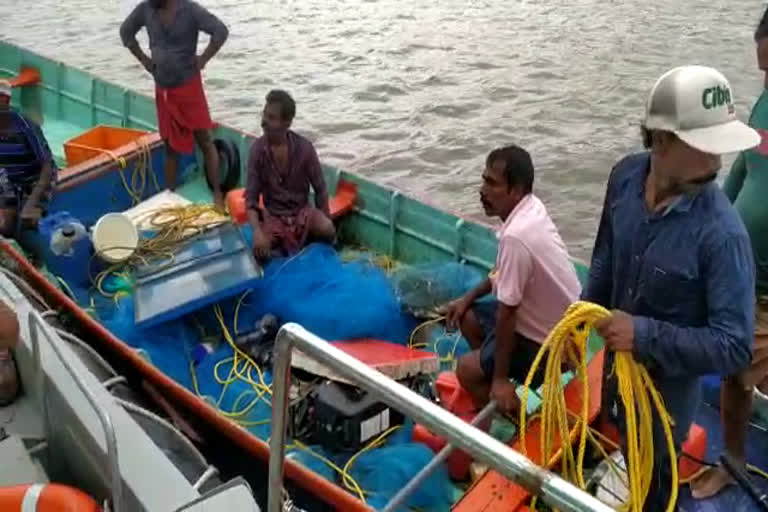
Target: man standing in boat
{"type": "Point", "coordinates": [173, 27]}
{"type": "Point", "coordinates": [672, 258]}
{"type": "Point", "coordinates": [746, 186]}
{"type": "Point", "coordinates": [281, 167]}
{"type": "Point", "coordinates": [27, 169]}
{"type": "Point", "coordinates": [534, 282]}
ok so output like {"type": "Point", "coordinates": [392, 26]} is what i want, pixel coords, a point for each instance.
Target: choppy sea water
{"type": "Point", "coordinates": [415, 94]}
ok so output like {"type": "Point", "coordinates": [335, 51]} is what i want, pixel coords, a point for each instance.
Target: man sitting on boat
{"type": "Point", "coordinates": [9, 336]}
{"type": "Point", "coordinates": [281, 166]}
{"type": "Point", "coordinates": [173, 27]}
{"type": "Point", "coordinates": [27, 169]}
{"type": "Point", "coordinates": [534, 282]}
{"type": "Point", "coordinates": [672, 257]}
{"type": "Point", "coordinates": [746, 186]}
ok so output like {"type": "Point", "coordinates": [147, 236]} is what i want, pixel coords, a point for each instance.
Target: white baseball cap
{"type": "Point", "coordinates": [5, 87]}
{"type": "Point", "coordinates": [696, 104]}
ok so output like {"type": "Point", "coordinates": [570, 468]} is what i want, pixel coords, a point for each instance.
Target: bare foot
{"type": "Point", "coordinates": [711, 482]}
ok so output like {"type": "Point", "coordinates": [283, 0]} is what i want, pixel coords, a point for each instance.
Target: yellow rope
{"type": "Point", "coordinates": [637, 392]}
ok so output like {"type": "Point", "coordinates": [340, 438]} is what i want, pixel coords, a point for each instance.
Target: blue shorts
{"type": "Point", "coordinates": [521, 359]}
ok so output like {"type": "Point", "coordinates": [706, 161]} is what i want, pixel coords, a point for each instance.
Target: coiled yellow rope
{"type": "Point", "coordinates": [636, 390]}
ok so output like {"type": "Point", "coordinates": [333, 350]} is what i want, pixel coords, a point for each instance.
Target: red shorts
{"type": "Point", "coordinates": [180, 112]}
{"type": "Point", "coordinates": [289, 232]}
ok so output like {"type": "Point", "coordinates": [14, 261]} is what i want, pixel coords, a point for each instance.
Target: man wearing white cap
{"type": "Point", "coordinates": [27, 169]}
{"type": "Point", "coordinates": [672, 258]}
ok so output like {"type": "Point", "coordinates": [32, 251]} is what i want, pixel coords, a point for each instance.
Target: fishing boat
{"type": "Point", "coordinates": [104, 140]}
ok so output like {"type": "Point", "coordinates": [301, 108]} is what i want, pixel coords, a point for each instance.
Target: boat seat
{"type": "Point", "coordinates": [340, 204]}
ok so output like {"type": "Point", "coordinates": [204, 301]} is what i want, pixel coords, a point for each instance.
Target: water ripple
{"type": "Point", "coordinates": [412, 93]}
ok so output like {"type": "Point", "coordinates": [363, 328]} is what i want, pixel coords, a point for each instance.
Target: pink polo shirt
{"type": "Point", "coordinates": [533, 270]}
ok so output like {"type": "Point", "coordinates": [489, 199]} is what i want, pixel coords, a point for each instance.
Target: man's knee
{"type": "Point", "coordinates": [322, 227]}
{"type": "Point", "coordinates": [7, 222]}
{"type": "Point", "coordinates": [204, 139]}
{"type": "Point", "coordinates": [739, 383]}
{"type": "Point", "coordinates": [468, 371]}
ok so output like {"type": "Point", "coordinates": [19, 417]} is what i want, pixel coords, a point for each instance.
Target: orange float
{"type": "Point", "coordinates": [46, 498]}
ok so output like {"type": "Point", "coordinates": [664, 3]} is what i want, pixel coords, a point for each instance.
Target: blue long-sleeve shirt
{"type": "Point", "coordinates": [687, 277]}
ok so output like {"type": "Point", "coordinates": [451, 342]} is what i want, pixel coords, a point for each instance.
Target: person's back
{"type": "Point", "coordinates": [746, 185]}
{"type": "Point", "coordinates": [552, 283]}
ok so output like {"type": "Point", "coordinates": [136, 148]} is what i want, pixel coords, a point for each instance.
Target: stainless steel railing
{"type": "Point", "coordinates": [552, 489]}
{"type": "Point", "coordinates": [38, 325]}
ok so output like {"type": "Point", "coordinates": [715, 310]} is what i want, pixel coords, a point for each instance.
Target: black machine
{"type": "Point", "coordinates": [347, 418]}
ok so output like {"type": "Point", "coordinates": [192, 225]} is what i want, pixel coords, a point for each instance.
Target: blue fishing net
{"type": "Point", "coordinates": [428, 286]}
{"type": "Point", "coordinates": [332, 298]}
{"type": "Point", "coordinates": [384, 471]}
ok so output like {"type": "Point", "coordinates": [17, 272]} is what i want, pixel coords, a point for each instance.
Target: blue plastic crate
{"type": "Point", "coordinates": [207, 269]}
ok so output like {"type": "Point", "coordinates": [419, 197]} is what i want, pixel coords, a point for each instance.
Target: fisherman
{"type": "Point", "coordinates": [173, 27]}
{"type": "Point", "coordinates": [281, 166]}
{"type": "Point", "coordinates": [27, 169]}
{"type": "Point", "coordinates": [9, 336]}
{"type": "Point", "coordinates": [534, 282]}
{"type": "Point", "coordinates": [672, 258]}
{"type": "Point", "coordinates": [745, 186]}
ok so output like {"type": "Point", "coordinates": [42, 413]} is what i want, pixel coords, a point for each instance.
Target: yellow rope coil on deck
{"type": "Point", "coordinates": [637, 393]}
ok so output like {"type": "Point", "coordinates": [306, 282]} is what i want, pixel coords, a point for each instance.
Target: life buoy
{"type": "Point", "coordinates": [46, 498]}
{"type": "Point", "coordinates": [229, 165]}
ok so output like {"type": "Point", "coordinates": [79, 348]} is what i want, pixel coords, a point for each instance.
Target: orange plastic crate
{"type": "Point", "coordinates": [92, 142]}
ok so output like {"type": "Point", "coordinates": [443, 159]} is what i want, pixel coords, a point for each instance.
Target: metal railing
{"type": "Point", "coordinates": [38, 325]}
{"type": "Point", "coordinates": [552, 489]}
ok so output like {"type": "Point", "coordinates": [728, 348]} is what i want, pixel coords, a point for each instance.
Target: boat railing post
{"type": "Point", "coordinates": [552, 489]}
{"type": "Point", "coordinates": [38, 325]}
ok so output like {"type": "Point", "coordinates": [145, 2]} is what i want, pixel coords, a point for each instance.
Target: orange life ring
{"type": "Point", "coordinates": [46, 498]}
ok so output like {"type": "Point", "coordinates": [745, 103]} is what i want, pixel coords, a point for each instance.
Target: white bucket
{"type": "Point", "coordinates": [115, 238]}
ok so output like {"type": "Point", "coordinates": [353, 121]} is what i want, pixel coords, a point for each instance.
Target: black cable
{"type": "Point", "coordinates": [761, 498]}
{"type": "Point", "coordinates": [697, 460]}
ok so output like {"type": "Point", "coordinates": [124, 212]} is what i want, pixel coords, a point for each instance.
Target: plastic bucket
{"type": "Point", "coordinates": [115, 238]}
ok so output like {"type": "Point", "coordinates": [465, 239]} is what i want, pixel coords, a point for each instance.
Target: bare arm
{"type": "Point", "coordinates": [317, 179]}
{"type": "Point", "coordinates": [44, 156]}
{"type": "Point", "coordinates": [212, 26]}
{"type": "Point", "coordinates": [506, 341]}
{"type": "Point", "coordinates": [128, 30]}
{"type": "Point", "coordinates": [253, 189]}
{"type": "Point", "coordinates": [479, 291]}
{"type": "Point", "coordinates": [46, 175]}
{"type": "Point", "coordinates": [514, 267]}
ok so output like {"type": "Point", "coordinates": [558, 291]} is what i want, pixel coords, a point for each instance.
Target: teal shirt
{"type": "Point", "coordinates": [747, 188]}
